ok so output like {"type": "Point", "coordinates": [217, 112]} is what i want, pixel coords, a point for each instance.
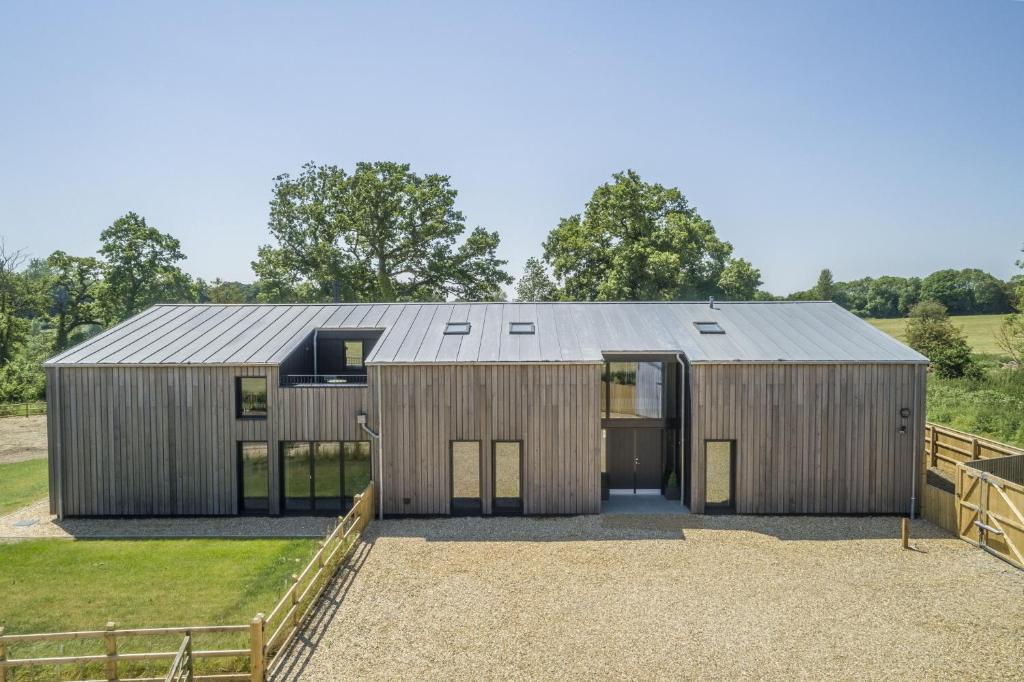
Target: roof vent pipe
{"type": "Point", "coordinates": [711, 302]}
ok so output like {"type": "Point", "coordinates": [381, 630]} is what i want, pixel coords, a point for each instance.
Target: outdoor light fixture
{"type": "Point", "coordinates": [905, 412]}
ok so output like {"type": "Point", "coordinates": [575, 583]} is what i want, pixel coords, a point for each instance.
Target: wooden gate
{"type": "Point", "coordinates": [990, 499]}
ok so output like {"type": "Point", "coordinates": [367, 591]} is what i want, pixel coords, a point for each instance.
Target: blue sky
{"type": "Point", "coordinates": [869, 137]}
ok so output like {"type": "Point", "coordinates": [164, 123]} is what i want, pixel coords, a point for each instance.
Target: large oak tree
{"type": "Point", "coordinates": [642, 241]}
{"type": "Point", "coordinates": [381, 233]}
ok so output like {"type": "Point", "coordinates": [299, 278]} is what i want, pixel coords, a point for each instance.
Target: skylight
{"type": "Point", "coordinates": [457, 328]}
{"type": "Point", "coordinates": [521, 328]}
{"type": "Point", "coordinates": [708, 328]}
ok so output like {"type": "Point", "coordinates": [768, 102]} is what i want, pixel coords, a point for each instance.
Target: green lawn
{"type": "Point", "coordinates": [21, 483]}
{"type": "Point", "coordinates": [980, 330]}
{"type": "Point", "coordinates": [60, 585]}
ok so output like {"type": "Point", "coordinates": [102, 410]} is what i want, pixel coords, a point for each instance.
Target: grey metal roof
{"type": "Point", "coordinates": [565, 332]}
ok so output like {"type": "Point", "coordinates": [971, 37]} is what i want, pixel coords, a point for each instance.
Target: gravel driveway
{"type": "Point", "coordinates": [664, 598]}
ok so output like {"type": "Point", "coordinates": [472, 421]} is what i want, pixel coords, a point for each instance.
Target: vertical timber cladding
{"type": "Point", "coordinates": [554, 409]}
{"type": "Point", "coordinates": [145, 441]}
{"type": "Point", "coordinates": [811, 438]}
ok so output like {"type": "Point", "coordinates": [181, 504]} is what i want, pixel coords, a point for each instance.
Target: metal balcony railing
{"type": "Point", "coordinates": [323, 380]}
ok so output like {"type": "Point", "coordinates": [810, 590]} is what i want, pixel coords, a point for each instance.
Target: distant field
{"type": "Point", "coordinates": [980, 330]}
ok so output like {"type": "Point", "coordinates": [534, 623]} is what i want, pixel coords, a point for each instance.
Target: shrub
{"type": "Point", "coordinates": [930, 332]}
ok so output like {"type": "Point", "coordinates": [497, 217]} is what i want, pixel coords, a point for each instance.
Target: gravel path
{"type": "Point", "coordinates": [47, 526]}
{"type": "Point", "coordinates": [22, 438]}
{"type": "Point", "coordinates": [625, 597]}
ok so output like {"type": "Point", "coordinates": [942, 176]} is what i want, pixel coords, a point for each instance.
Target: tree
{"type": "Point", "coordinates": [825, 289]}
{"type": "Point", "coordinates": [383, 233]}
{"type": "Point", "coordinates": [636, 241]}
{"type": "Point", "coordinates": [966, 292]}
{"type": "Point", "coordinates": [223, 291]}
{"type": "Point", "coordinates": [739, 280]}
{"type": "Point", "coordinates": [534, 284]}
{"type": "Point", "coordinates": [139, 269]}
{"type": "Point", "coordinates": [13, 325]}
{"type": "Point", "coordinates": [932, 333]}
{"type": "Point", "coordinates": [72, 285]}
{"type": "Point", "coordinates": [1010, 338]}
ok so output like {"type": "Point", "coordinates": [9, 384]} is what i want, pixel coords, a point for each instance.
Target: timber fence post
{"type": "Point", "coordinates": [257, 664]}
{"type": "Point", "coordinates": [110, 640]}
{"type": "Point", "coordinates": [905, 532]}
{"type": "Point", "coordinates": [3, 656]}
{"type": "Point", "coordinates": [295, 600]}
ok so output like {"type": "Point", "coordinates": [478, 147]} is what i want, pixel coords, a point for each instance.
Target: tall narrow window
{"type": "Point", "coordinates": [719, 475]}
{"type": "Point", "coordinates": [465, 477]}
{"type": "Point", "coordinates": [253, 477]}
{"type": "Point", "coordinates": [353, 355]}
{"type": "Point", "coordinates": [508, 471]}
{"type": "Point", "coordinates": [251, 397]}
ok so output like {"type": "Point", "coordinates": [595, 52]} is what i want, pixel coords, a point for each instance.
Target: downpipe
{"type": "Point", "coordinates": [361, 420]}
{"type": "Point", "coordinates": [913, 479]}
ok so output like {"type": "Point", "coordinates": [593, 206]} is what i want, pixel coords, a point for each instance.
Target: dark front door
{"type": "Point", "coordinates": [634, 458]}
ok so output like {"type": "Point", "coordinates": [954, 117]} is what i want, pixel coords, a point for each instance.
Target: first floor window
{"type": "Point", "coordinates": [251, 396]}
{"type": "Point", "coordinates": [354, 355]}
{"type": "Point", "coordinates": [633, 390]}
{"type": "Point", "coordinates": [253, 477]}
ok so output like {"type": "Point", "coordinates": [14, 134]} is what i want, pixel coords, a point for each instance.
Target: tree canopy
{"type": "Point", "coordinates": [966, 291]}
{"type": "Point", "coordinates": [642, 241]}
{"type": "Point", "coordinates": [534, 284]}
{"type": "Point", "coordinates": [140, 268]}
{"type": "Point", "coordinates": [382, 233]}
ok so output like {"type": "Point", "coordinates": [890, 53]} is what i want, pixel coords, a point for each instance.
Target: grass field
{"type": "Point", "coordinates": [979, 329]}
{"type": "Point", "coordinates": [21, 483]}
{"type": "Point", "coordinates": [59, 585]}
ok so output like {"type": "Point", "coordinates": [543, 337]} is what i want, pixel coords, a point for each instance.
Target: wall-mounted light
{"type": "Point", "coordinates": [905, 412]}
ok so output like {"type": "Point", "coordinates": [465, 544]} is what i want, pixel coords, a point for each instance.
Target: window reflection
{"type": "Point", "coordinates": [634, 390]}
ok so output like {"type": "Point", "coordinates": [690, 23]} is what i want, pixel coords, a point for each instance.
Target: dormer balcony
{"type": "Point", "coordinates": [333, 358]}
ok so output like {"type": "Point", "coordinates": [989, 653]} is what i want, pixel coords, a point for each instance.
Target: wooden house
{"type": "Point", "coordinates": [485, 408]}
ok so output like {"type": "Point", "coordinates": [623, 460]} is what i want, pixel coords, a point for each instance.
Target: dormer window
{"type": "Point", "coordinates": [457, 328]}
{"type": "Point", "coordinates": [521, 328]}
{"type": "Point", "coordinates": [708, 328]}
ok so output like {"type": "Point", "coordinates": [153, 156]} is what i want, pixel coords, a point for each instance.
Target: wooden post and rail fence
{"type": "Point", "coordinates": [974, 487]}
{"type": "Point", "coordinates": [267, 636]}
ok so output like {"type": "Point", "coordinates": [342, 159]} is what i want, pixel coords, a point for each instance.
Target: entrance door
{"type": "Point", "coordinates": [634, 459]}
{"type": "Point", "coordinates": [312, 476]}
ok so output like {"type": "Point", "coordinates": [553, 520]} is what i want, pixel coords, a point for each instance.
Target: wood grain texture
{"type": "Point", "coordinates": [811, 439]}
{"type": "Point", "coordinates": [552, 409]}
{"type": "Point", "coordinates": [155, 441]}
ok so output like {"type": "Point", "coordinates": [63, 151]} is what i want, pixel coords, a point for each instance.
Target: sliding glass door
{"type": "Point", "coordinates": [323, 476]}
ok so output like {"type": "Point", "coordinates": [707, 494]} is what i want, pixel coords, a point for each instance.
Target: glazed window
{"type": "Point", "coordinates": [251, 397]}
